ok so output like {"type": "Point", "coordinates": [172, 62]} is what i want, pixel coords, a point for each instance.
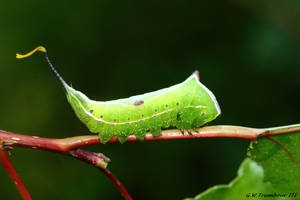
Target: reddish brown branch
{"type": "Point", "coordinates": [95, 159]}
{"type": "Point", "coordinates": [67, 144]}
{"type": "Point", "coordinates": [8, 166]}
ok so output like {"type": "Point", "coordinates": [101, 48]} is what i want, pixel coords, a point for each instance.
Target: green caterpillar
{"type": "Point", "coordinates": [187, 105]}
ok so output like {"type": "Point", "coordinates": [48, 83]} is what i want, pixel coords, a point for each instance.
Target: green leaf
{"type": "Point", "coordinates": [272, 170]}
{"type": "Point", "coordinates": [249, 182]}
{"type": "Point", "coordinates": [279, 156]}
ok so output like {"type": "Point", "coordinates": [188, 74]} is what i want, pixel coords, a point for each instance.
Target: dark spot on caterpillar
{"type": "Point", "coordinates": [178, 116]}
{"type": "Point", "coordinates": [138, 102]}
{"type": "Point", "coordinates": [202, 114]}
{"type": "Point", "coordinates": [142, 115]}
{"type": "Point", "coordinates": [101, 116]}
{"type": "Point", "coordinates": [128, 118]}
{"type": "Point", "coordinates": [155, 110]}
{"type": "Point", "coordinates": [115, 120]}
{"type": "Point", "coordinates": [91, 111]}
{"type": "Point", "coordinates": [166, 105]}
{"type": "Point", "coordinates": [177, 104]}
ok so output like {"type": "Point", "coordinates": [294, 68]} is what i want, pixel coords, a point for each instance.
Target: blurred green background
{"type": "Point", "coordinates": [247, 53]}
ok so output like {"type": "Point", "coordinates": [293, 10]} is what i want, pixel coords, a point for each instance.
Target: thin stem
{"type": "Point", "coordinates": [117, 183]}
{"type": "Point", "coordinates": [8, 166]}
{"type": "Point", "coordinates": [93, 158]}
{"type": "Point", "coordinates": [67, 144]}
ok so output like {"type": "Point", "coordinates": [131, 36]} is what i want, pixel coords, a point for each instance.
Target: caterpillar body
{"type": "Point", "coordinates": [187, 105]}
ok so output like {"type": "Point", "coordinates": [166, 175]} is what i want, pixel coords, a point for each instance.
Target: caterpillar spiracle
{"type": "Point", "coordinates": [187, 105]}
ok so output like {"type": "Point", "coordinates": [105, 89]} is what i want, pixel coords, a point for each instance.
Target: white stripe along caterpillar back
{"type": "Point", "coordinates": [187, 105]}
